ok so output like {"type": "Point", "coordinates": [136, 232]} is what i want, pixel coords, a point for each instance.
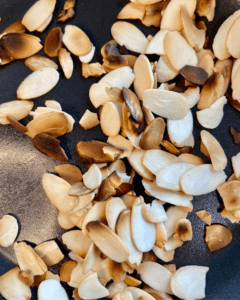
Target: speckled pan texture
{"type": "Point", "coordinates": [21, 166]}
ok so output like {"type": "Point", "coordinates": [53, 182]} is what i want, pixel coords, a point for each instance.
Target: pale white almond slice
{"type": "Point", "coordinates": [89, 120]}
{"type": "Point", "coordinates": [114, 288]}
{"type": "Point", "coordinates": [143, 232]}
{"type": "Point", "coordinates": [201, 180]}
{"type": "Point", "coordinates": [78, 189]}
{"type": "Point", "coordinates": [66, 62]}
{"type": "Point", "coordinates": [204, 216]}
{"type": "Point", "coordinates": [76, 241]}
{"type": "Point", "coordinates": [143, 76]}
{"type": "Point", "coordinates": [164, 70]}
{"type": "Point", "coordinates": [179, 52]}
{"type": "Point", "coordinates": [118, 166]}
{"type": "Point", "coordinates": [136, 161]}
{"type": "Point", "coordinates": [38, 14]}
{"type": "Point", "coordinates": [156, 276]}
{"type": "Point", "coordinates": [45, 25]}
{"type": "Point", "coordinates": [189, 282]}
{"type": "Point", "coordinates": [215, 150]}
{"type": "Point", "coordinates": [91, 258]}
{"type": "Point", "coordinates": [17, 109]}
{"type": "Point", "coordinates": [174, 214]}
{"type": "Point", "coordinates": [233, 45]}
{"type": "Point", "coordinates": [92, 178]}
{"type": "Point", "coordinates": [88, 57]}
{"type": "Point", "coordinates": [156, 45]}
{"type": "Point", "coordinates": [50, 289]}
{"type": "Point", "coordinates": [191, 159]}
{"type": "Point", "coordinates": [110, 120]}
{"type": "Point", "coordinates": [172, 244]}
{"type": "Point", "coordinates": [107, 241]}
{"type": "Point", "coordinates": [172, 18]}
{"type": "Point", "coordinates": [98, 94]}
{"type": "Point", "coordinates": [235, 164]}
{"type": "Point", "coordinates": [132, 11]}
{"type": "Point", "coordinates": [163, 254]}
{"type": "Point", "coordinates": [155, 160]}
{"type": "Point", "coordinates": [220, 41]}
{"type": "Point", "coordinates": [195, 36]}
{"type": "Point", "coordinates": [130, 36]}
{"type": "Point", "coordinates": [28, 259]}
{"type": "Point", "coordinates": [64, 221]}
{"type": "Point", "coordinates": [192, 94]}
{"type": "Point", "coordinates": [113, 209]}
{"type": "Point", "coordinates": [53, 104]}
{"type": "Point", "coordinates": [49, 252]}
{"type": "Point", "coordinates": [57, 191]}
{"type": "Point", "coordinates": [169, 176]}
{"type": "Point", "coordinates": [8, 230]}
{"type": "Point", "coordinates": [211, 117]}
{"type": "Point", "coordinates": [138, 293]}
{"type": "Point", "coordinates": [37, 62]}
{"type": "Point", "coordinates": [121, 77]}
{"type": "Point", "coordinates": [183, 230]}
{"type": "Point", "coordinates": [154, 212]}
{"type": "Point", "coordinates": [76, 40]}
{"type": "Point", "coordinates": [38, 83]}
{"type": "Point", "coordinates": [180, 131]}
{"type": "Point", "coordinates": [166, 104]}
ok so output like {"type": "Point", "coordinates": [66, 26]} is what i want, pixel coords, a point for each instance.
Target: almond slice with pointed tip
{"type": "Point", "coordinates": [154, 213]}
{"type": "Point", "coordinates": [131, 281]}
{"type": "Point", "coordinates": [79, 189]}
{"type": "Point", "coordinates": [69, 173]}
{"type": "Point", "coordinates": [121, 77]}
{"type": "Point", "coordinates": [132, 102]}
{"type": "Point", "coordinates": [89, 120]}
{"type": "Point", "coordinates": [205, 61]}
{"type": "Point", "coordinates": [91, 258]}
{"type": "Point", "coordinates": [156, 45]}
{"type": "Point", "coordinates": [113, 209]}
{"type": "Point", "coordinates": [57, 191]}
{"type": "Point", "coordinates": [110, 119]}
{"type": "Point", "coordinates": [51, 288]}
{"type": "Point", "coordinates": [49, 252]}
{"type": "Point", "coordinates": [130, 36]}
{"type": "Point", "coordinates": [132, 11]}
{"type": "Point", "coordinates": [118, 166]}
{"type": "Point", "coordinates": [189, 282]}
{"type": "Point", "coordinates": [216, 152]}
{"type": "Point", "coordinates": [8, 230]}
{"type": "Point", "coordinates": [164, 255]}
{"type": "Point", "coordinates": [17, 109]}
{"type": "Point", "coordinates": [166, 104]}
{"type": "Point", "coordinates": [64, 221]}
{"type": "Point", "coordinates": [204, 216]}
{"type": "Point", "coordinates": [121, 143]}
{"type": "Point", "coordinates": [92, 178]}
{"type": "Point", "coordinates": [17, 26]}
{"type": "Point", "coordinates": [98, 94]}
{"type": "Point", "coordinates": [217, 237]}
{"type": "Point", "coordinates": [66, 62]}
{"type": "Point", "coordinates": [164, 70]}
{"type": "Point", "coordinates": [174, 214]}
{"type": "Point", "coordinates": [26, 277]}
{"type": "Point", "coordinates": [201, 180]}
{"type": "Point", "coordinates": [114, 288]}
{"type": "Point", "coordinates": [192, 94]}
{"type": "Point", "coordinates": [235, 164]}
{"type": "Point", "coordinates": [94, 69]}
{"type": "Point", "coordinates": [37, 62]}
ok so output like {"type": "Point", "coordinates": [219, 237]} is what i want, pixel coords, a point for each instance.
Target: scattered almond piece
{"type": "Point", "coordinates": [8, 230]}
{"type": "Point", "coordinates": [163, 254]}
{"type": "Point", "coordinates": [92, 178]}
{"type": "Point", "coordinates": [89, 120]}
{"type": "Point", "coordinates": [45, 25]}
{"type": "Point", "coordinates": [66, 62]}
{"type": "Point", "coordinates": [236, 136]}
{"type": "Point", "coordinates": [132, 11]}
{"type": "Point", "coordinates": [17, 26]}
{"type": "Point", "coordinates": [183, 230]}
{"type": "Point", "coordinates": [229, 191]}
{"type": "Point", "coordinates": [51, 288]}
{"type": "Point", "coordinates": [204, 216]}
{"type": "Point", "coordinates": [217, 237]}
{"type": "Point", "coordinates": [49, 252]}
{"type": "Point", "coordinates": [37, 62]}
{"type": "Point", "coordinates": [94, 69]}
{"type": "Point", "coordinates": [64, 221]}
{"type": "Point", "coordinates": [26, 277]}
{"type": "Point", "coordinates": [110, 119]}
{"type": "Point", "coordinates": [69, 173]}
{"type": "Point", "coordinates": [17, 109]}
{"type": "Point", "coordinates": [53, 42]}
{"type": "Point", "coordinates": [66, 270]}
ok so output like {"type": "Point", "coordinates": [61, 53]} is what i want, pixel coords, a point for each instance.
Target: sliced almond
{"type": "Point", "coordinates": [108, 188]}
{"type": "Point", "coordinates": [130, 36]}
{"type": "Point", "coordinates": [121, 143]}
{"type": "Point", "coordinates": [45, 25]}
{"type": "Point", "coordinates": [49, 252]}
{"type": "Point", "coordinates": [230, 216]}
{"type": "Point", "coordinates": [204, 216]}
{"type": "Point", "coordinates": [233, 46]}
{"type": "Point", "coordinates": [164, 70]}
{"type": "Point", "coordinates": [94, 69]}
{"type": "Point", "coordinates": [201, 180]}
{"type": "Point", "coordinates": [79, 189]}
{"type": "Point", "coordinates": [235, 135]}
{"type": "Point", "coordinates": [4, 59]}
{"type": "Point", "coordinates": [174, 214]}
{"type": "Point", "coordinates": [26, 277]}
{"type": "Point", "coordinates": [170, 148]}
{"type": "Point", "coordinates": [8, 230]}
{"type": "Point", "coordinates": [152, 20]}
{"type": "Point", "coordinates": [66, 15]}
{"type": "Point", "coordinates": [66, 62]}
{"type": "Point", "coordinates": [69, 173]}
{"type": "Point", "coordinates": [91, 258]}
{"type": "Point", "coordinates": [110, 119]}
{"type": "Point", "coordinates": [64, 221]}
{"type": "Point", "coordinates": [17, 26]}
{"type": "Point", "coordinates": [161, 235]}
{"type": "Point", "coordinates": [121, 77]}
{"type": "Point", "coordinates": [217, 237]}
{"type": "Point", "coordinates": [92, 178]}
{"type": "Point", "coordinates": [191, 159]}
{"type": "Point", "coordinates": [38, 14]}
{"type": "Point", "coordinates": [137, 293]}
{"type": "Point", "coordinates": [154, 213]}
{"type": "Point", "coordinates": [88, 57]}
{"type": "Point", "coordinates": [37, 62]}
{"type": "Point", "coordinates": [192, 94]}
{"type": "Point", "coordinates": [156, 294]}
{"type": "Point", "coordinates": [77, 276]}
{"type": "Point", "coordinates": [115, 288]}
{"type": "Point", "coordinates": [183, 230]}
{"type": "Point", "coordinates": [57, 191]}
{"type": "Point", "coordinates": [132, 11]}
{"type": "Point", "coordinates": [53, 42]}
{"type": "Point", "coordinates": [133, 103]}
{"type": "Point", "coordinates": [235, 164]}
{"type": "Point", "coordinates": [224, 67]}
{"type": "Point", "coordinates": [16, 109]}
{"type": "Point", "coordinates": [50, 275]}
{"type": "Point", "coordinates": [229, 191]}
{"type": "Point", "coordinates": [235, 77]}
{"type": "Point", "coordinates": [116, 271]}
{"type": "Point", "coordinates": [118, 166]}
{"type": "Point", "coordinates": [205, 61]}
{"type": "Point", "coordinates": [173, 243]}
{"type": "Point", "coordinates": [156, 45]}
{"type": "Point", "coordinates": [51, 288]}
{"type": "Point", "coordinates": [115, 61]}
{"type": "Point", "coordinates": [131, 281]}
{"type": "Point", "coordinates": [164, 255]}
{"type": "Point", "coordinates": [98, 94]}
{"type": "Point", "coordinates": [113, 209]}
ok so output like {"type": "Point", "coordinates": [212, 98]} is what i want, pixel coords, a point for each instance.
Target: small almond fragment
{"type": "Point", "coordinates": [229, 191]}
{"type": "Point", "coordinates": [204, 216]}
{"type": "Point", "coordinates": [51, 288]}
{"type": "Point", "coordinates": [132, 11]}
{"type": "Point", "coordinates": [76, 241]}
{"type": "Point", "coordinates": [69, 173]}
{"type": "Point", "coordinates": [131, 281]}
{"type": "Point", "coordinates": [92, 178]}
{"type": "Point", "coordinates": [94, 69]}
{"type": "Point", "coordinates": [53, 42]}
{"type": "Point", "coordinates": [183, 230]}
{"type": "Point", "coordinates": [170, 148]}
{"type": "Point", "coordinates": [66, 62]}
{"type": "Point", "coordinates": [8, 230]}
{"type": "Point", "coordinates": [110, 119]}
{"type": "Point", "coordinates": [37, 62]}
{"type": "Point", "coordinates": [49, 252]}
{"type": "Point", "coordinates": [66, 15]}
{"type": "Point", "coordinates": [217, 237]}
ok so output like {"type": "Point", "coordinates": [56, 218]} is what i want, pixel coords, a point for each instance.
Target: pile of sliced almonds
{"type": "Point", "coordinates": [115, 250]}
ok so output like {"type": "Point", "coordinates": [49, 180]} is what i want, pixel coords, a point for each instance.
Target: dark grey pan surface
{"type": "Point", "coordinates": [21, 166]}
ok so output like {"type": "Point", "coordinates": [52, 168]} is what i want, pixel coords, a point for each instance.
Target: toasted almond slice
{"type": "Point", "coordinates": [76, 257]}
{"type": "Point", "coordinates": [121, 77]}
{"type": "Point", "coordinates": [12, 279]}
{"type": "Point", "coordinates": [17, 26]}
{"type": "Point", "coordinates": [53, 42]}
{"type": "Point", "coordinates": [236, 136]}
{"type": "Point", "coordinates": [57, 191]}
{"type": "Point", "coordinates": [70, 173]}
{"type": "Point", "coordinates": [98, 94]}
{"type": "Point", "coordinates": [82, 202]}
{"type": "Point", "coordinates": [179, 52]}
{"type": "Point", "coordinates": [235, 164]}
{"type": "Point", "coordinates": [229, 191]}
{"type": "Point", "coordinates": [204, 216]}
{"type": "Point", "coordinates": [38, 14]}
{"type": "Point", "coordinates": [51, 288]}
{"type": "Point", "coordinates": [115, 288]}
{"type": "Point", "coordinates": [233, 46]}
{"type": "Point", "coordinates": [113, 209]}
{"type": "Point", "coordinates": [45, 25]}
{"type": "Point", "coordinates": [94, 69]}
{"type": "Point", "coordinates": [149, 256]}
{"type": "Point", "coordinates": [77, 276]}
{"type": "Point", "coordinates": [155, 160]}
{"type": "Point", "coordinates": [116, 271]}
{"type": "Point", "coordinates": [154, 213]}
{"type": "Point", "coordinates": [235, 78]}
{"type": "Point", "coordinates": [132, 100]}
{"type": "Point", "coordinates": [205, 61]}
{"type": "Point", "coordinates": [224, 67]}
{"type": "Point", "coordinates": [164, 69]}
{"type": "Point", "coordinates": [26, 277]}
{"type": "Point", "coordinates": [161, 235]}
{"type": "Point", "coordinates": [164, 255]}
{"type": "Point", "coordinates": [156, 276]}
{"type": "Point", "coordinates": [183, 230]}
{"type": "Point", "coordinates": [110, 119]}
{"type": "Point", "coordinates": [124, 295]}
{"type": "Point", "coordinates": [171, 267]}
{"type": "Point", "coordinates": [37, 62]}
{"type": "Point", "coordinates": [79, 189]}
{"type": "Point", "coordinates": [230, 216]}
{"type": "Point", "coordinates": [216, 152]}
{"type": "Point", "coordinates": [88, 57]}
{"type": "Point", "coordinates": [166, 104]}
{"type": "Point", "coordinates": [66, 15]}
{"type": "Point", "coordinates": [50, 275]}
{"type": "Point", "coordinates": [28, 259]}
{"type": "Point", "coordinates": [108, 188]}
{"type": "Point", "coordinates": [91, 258]}
{"type": "Point", "coordinates": [173, 244]}
{"type": "Point", "coordinates": [66, 62]}
{"type": "Point", "coordinates": [189, 282]}
{"type": "Point", "coordinates": [132, 11]}
{"type": "Point", "coordinates": [16, 109]}
{"type": "Point", "coordinates": [137, 293]}
{"type": "Point", "coordinates": [148, 115]}
{"type": "Point", "coordinates": [170, 148]}
{"type": "Point", "coordinates": [174, 214]}
{"type": "Point", "coordinates": [64, 221]}
{"type": "Point", "coordinates": [49, 252]}
{"type": "Point", "coordinates": [194, 75]}
{"type": "Point", "coordinates": [38, 83]}
{"type": "Point", "coordinates": [156, 294]}
{"type": "Point", "coordinates": [92, 178]}
{"type": "Point", "coordinates": [232, 177]}
{"type": "Point", "coordinates": [130, 36]}
{"type": "Point", "coordinates": [156, 45]}
{"type": "Point", "coordinates": [115, 61]}
{"type": "Point", "coordinates": [118, 166]}
{"type": "Point", "coordinates": [107, 241]}
{"type": "Point", "coordinates": [76, 241]}
{"type": "Point", "coordinates": [201, 180]}
{"type": "Point", "coordinates": [76, 40]}
{"type": "Point", "coordinates": [152, 20]}
{"type": "Point", "coordinates": [20, 45]}
{"type": "Point", "coordinates": [8, 230]}
{"type": "Point", "coordinates": [191, 159]}
{"type": "Point", "coordinates": [217, 237]}
{"type": "Point", "coordinates": [4, 59]}
{"type": "Point", "coordinates": [121, 143]}
{"type": "Point", "coordinates": [131, 281]}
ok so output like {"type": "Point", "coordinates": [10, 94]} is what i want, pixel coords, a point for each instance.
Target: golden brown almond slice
{"type": "Point", "coordinates": [171, 267]}
{"type": "Point", "coordinates": [66, 62]}
{"type": "Point", "coordinates": [205, 61]}
{"type": "Point", "coordinates": [107, 241]}
{"type": "Point", "coordinates": [37, 62]}
{"type": "Point", "coordinates": [98, 94]}
{"type": "Point", "coordinates": [76, 40]}
{"type": "Point", "coordinates": [131, 281]}
{"type": "Point", "coordinates": [76, 241]}
{"type": "Point", "coordinates": [118, 166]}
{"type": "Point", "coordinates": [8, 230]}
{"type": "Point", "coordinates": [88, 57]}
{"type": "Point", "coordinates": [124, 295]}
{"type": "Point", "coordinates": [163, 254]}
{"type": "Point", "coordinates": [20, 45]}
{"type": "Point", "coordinates": [115, 61]}
{"type": "Point", "coordinates": [153, 134]}
{"type": "Point", "coordinates": [191, 159]}
{"type": "Point", "coordinates": [194, 75]}
{"type": "Point", "coordinates": [89, 120]}
{"type": "Point", "coordinates": [236, 136]}
{"type": "Point", "coordinates": [91, 258]}
{"type": "Point", "coordinates": [95, 70]}
{"type": "Point", "coordinates": [173, 244]}
{"type": "Point", "coordinates": [204, 216]}
{"type": "Point", "coordinates": [174, 213]}
{"type": "Point", "coordinates": [4, 59]}
{"type": "Point", "coordinates": [49, 252]}
{"type": "Point", "coordinates": [224, 67]}
{"type": "Point", "coordinates": [66, 270]}
{"type": "Point", "coordinates": [216, 152]}
{"type": "Point", "coordinates": [38, 83]}
{"type": "Point", "coordinates": [110, 119]}
{"type": "Point", "coordinates": [203, 7]}
{"type": "Point", "coordinates": [116, 271]}
{"type": "Point", "coordinates": [229, 191]}
{"type": "Point", "coordinates": [53, 42]}
{"type": "Point", "coordinates": [69, 173]}
{"type": "Point", "coordinates": [26, 277]}
{"type": "Point", "coordinates": [183, 230]}
{"type": "Point", "coordinates": [170, 148]}
{"type": "Point", "coordinates": [66, 15]}
{"type": "Point", "coordinates": [137, 293]}
{"type": "Point", "coordinates": [156, 294]}
{"type": "Point", "coordinates": [79, 189]}
{"type": "Point", "coordinates": [217, 237]}
{"type": "Point", "coordinates": [133, 104]}
{"type": "Point", "coordinates": [152, 20]}
{"type": "Point", "coordinates": [132, 11]}
{"type": "Point", "coordinates": [17, 26]}
{"type": "Point", "coordinates": [112, 152]}
{"type": "Point", "coordinates": [28, 259]}
{"type": "Point", "coordinates": [38, 14]}
{"type": "Point", "coordinates": [64, 221]}
{"type": "Point", "coordinates": [15, 109]}
{"type": "Point", "coordinates": [130, 36]}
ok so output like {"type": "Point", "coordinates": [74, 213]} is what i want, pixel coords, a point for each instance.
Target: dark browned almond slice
{"type": "Point", "coordinates": [157, 7]}
{"type": "Point", "coordinates": [66, 270]}
{"type": "Point", "coordinates": [20, 45]}
{"type": "Point", "coordinates": [194, 75]}
{"type": "Point", "coordinates": [170, 148]}
{"type": "Point", "coordinates": [123, 189]}
{"type": "Point", "coordinates": [38, 279]}
{"type": "Point", "coordinates": [236, 136]}
{"type": "Point", "coordinates": [149, 256]}
{"type": "Point", "coordinates": [16, 124]}
{"type": "Point", "coordinates": [110, 48]}
{"type": "Point", "coordinates": [188, 149]}
{"type": "Point", "coordinates": [4, 59]}
{"type": "Point", "coordinates": [133, 104]}
{"type": "Point", "coordinates": [54, 123]}
{"type": "Point", "coordinates": [92, 152]}
{"type": "Point", "coordinates": [131, 60]}
{"type": "Point", "coordinates": [183, 230]}
{"type": "Point", "coordinates": [233, 102]}
{"type": "Point", "coordinates": [69, 173]}
{"type": "Point", "coordinates": [153, 135]}
{"type": "Point", "coordinates": [217, 237]}
{"type": "Point", "coordinates": [152, 20]}
{"type": "Point", "coordinates": [230, 193]}
{"type": "Point", "coordinates": [15, 27]}
{"type": "Point", "coordinates": [66, 15]}
{"type": "Point", "coordinates": [115, 61]}
{"type": "Point", "coordinates": [106, 190]}
{"type": "Point", "coordinates": [37, 62]}
{"type": "Point", "coordinates": [49, 146]}
{"type": "Point", "coordinates": [115, 180]}
{"type": "Point", "coordinates": [53, 42]}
